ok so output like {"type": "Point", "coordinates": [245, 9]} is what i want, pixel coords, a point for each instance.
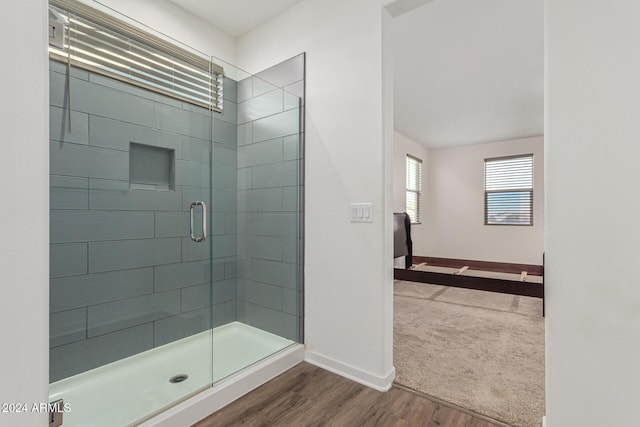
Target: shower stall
{"type": "Point", "coordinates": [176, 206]}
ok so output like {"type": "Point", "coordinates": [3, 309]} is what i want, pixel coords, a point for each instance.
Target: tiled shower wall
{"type": "Point", "coordinates": [269, 198]}
{"type": "Point", "coordinates": [125, 276]}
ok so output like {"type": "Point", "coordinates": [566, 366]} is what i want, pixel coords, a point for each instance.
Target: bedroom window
{"type": "Point", "coordinates": [508, 190]}
{"type": "Point", "coordinates": [414, 188]}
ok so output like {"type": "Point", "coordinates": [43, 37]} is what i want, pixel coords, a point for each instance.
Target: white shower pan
{"type": "Point", "coordinates": [132, 390]}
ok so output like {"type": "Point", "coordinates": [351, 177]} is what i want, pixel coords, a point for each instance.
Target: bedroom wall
{"type": "Point", "coordinates": [455, 206]}
{"type": "Point", "coordinates": [592, 127]}
{"type": "Point", "coordinates": [403, 146]}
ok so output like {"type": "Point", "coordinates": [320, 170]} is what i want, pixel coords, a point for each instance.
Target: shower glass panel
{"type": "Point", "coordinates": [267, 264]}
{"type": "Point", "coordinates": [176, 235]}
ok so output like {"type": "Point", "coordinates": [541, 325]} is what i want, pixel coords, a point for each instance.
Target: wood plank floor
{"type": "Point", "coordinates": [309, 396]}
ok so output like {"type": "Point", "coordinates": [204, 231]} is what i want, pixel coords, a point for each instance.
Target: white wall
{"type": "Point", "coordinates": [593, 208]}
{"type": "Point", "coordinates": [175, 22]}
{"type": "Point", "coordinates": [403, 146]}
{"type": "Point", "coordinates": [455, 206]}
{"type": "Point", "coordinates": [348, 278]}
{"type": "Point", "coordinates": [24, 219]}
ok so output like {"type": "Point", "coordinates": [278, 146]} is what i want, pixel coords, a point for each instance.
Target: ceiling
{"type": "Point", "coordinates": [466, 71]}
{"type": "Point", "coordinates": [236, 17]}
{"type": "Point", "coordinates": [469, 71]}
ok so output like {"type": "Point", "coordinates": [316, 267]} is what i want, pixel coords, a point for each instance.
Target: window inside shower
{"type": "Point", "coordinates": [176, 223]}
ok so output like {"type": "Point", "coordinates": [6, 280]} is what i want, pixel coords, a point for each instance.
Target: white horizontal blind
{"type": "Point", "coordinates": [508, 185]}
{"type": "Point", "coordinates": [104, 45]}
{"type": "Point", "coordinates": [414, 188]}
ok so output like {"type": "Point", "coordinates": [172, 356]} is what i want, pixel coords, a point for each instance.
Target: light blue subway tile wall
{"type": "Point", "coordinates": [261, 86]}
{"type": "Point", "coordinates": [196, 150]}
{"type": "Point", "coordinates": [67, 326]}
{"type": "Point", "coordinates": [86, 225]}
{"type": "Point", "coordinates": [118, 195]}
{"type": "Point", "coordinates": [280, 174]}
{"type": "Point", "coordinates": [85, 161]}
{"type": "Point", "coordinates": [90, 289]}
{"type": "Point", "coordinates": [224, 155]}
{"type": "Point", "coordinates": [183, 325]}
{"type": "Point", "coordinates": [171, 224]}
{"type": "Point", "coordinates": [291, 199]}
{"type": "Point", "coordinates": [260, 153]}
{"type": "Point", "coordinates": [224, 313]}
{"type": "Point", "coordinates": [225, 132]}
{"type": "Point", "coordinates": [291, 101]}
{"type": "Point", "coordinates": [59, 126]}
{"type": "Point", "coordinates": [290, 147]}
{"type": "Point", "coordinates": [68, 259]}
{"type": "Point", "coordinates": [282, 124]}
{"type": "Point", "coordinates": [117, 135]}
{"type": "Point", "coordinates": [67, 192]}
{"type": "Point", "coordinates": [290, 298]}
{"type": "Point", "coordinates": [194, 251]}
{"type": "Point", "coordinates": [274, 321]}
{"type": "Point", "coordinates": [261, 106]}
{"type": "Point", "coordinates": [229, 112]}
{"type": "Point", "coordinates": [245, 133]}
{"type": "Point", "coordinates": [59, 67]}
{"type": "Point", "coordinates": [261, 293]}
{"type": "Point", "coordinates": [125, 254]}
{"type": "Point", "coordinates": [278, 224]}
{"type": "Point", "coordinates": [197, 297]}
{"type": "Point", "coordinates": [272, 272]}
{"type": "Point", "coordinates": [64, 360]}
{"type": "Point", "coordinates": [123, 314]}
{"type": "Point", "coordinates": [125, 276]}
{"type": "Point", "coordinates": [290, 253]}
{"type": "Point", "coordinates": [230, 90]}
{"type": "Point", "coordinates": [269, 179]}
{"type": "Point", "coordinates": [260, 200]}
{"type": "Point", "coordinates": [245, 90]}
{"type": "Point", "coordinates": [184, 274]}
{"type": "Point", "coordinates": [224, 177]}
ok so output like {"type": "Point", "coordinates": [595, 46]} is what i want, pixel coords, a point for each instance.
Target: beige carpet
{"type": "Point", "coordinates": [482, 351]}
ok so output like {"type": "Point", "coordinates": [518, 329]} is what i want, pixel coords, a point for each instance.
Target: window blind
{"type": "Point", "coordinates": [508, 185]}
{"type": "Point", "coordinates": [102, 44]}
{"type": "Point", "coordinates": [414, 188]}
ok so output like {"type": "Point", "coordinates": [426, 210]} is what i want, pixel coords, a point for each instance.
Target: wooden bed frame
{"type": "Point", "coordinates": [514, 287]}
{"type": "Point", "coordinates": [403, 247]}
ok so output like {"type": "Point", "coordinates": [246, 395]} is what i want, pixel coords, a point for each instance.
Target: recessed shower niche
{"type": "Point", "coordinates": [151, 168]}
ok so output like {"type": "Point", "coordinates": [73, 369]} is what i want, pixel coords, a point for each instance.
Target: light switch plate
{"type": "Point", "coordinates": [361, 212]}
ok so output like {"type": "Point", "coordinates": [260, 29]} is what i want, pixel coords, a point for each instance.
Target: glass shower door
{"type": "Point", "coordinates": [131, 270]}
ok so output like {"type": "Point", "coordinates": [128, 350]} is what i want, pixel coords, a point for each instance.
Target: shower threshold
{"type": "Point", "coordinates": [128, 391]}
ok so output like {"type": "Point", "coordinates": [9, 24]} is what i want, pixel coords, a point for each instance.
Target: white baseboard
{"type": "Point", "coordinates": [355, 374]}
{"type": "Point", "coordinates": [544, 421]}
{"type": "Point", "coordinates": [203, 404]}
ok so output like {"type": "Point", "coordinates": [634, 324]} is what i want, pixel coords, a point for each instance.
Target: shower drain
{"type": "Point", "coordinates": [178, 378]}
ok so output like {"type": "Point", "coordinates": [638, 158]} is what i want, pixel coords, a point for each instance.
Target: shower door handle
{"type": "Point", "coordinates": [204, 220]}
